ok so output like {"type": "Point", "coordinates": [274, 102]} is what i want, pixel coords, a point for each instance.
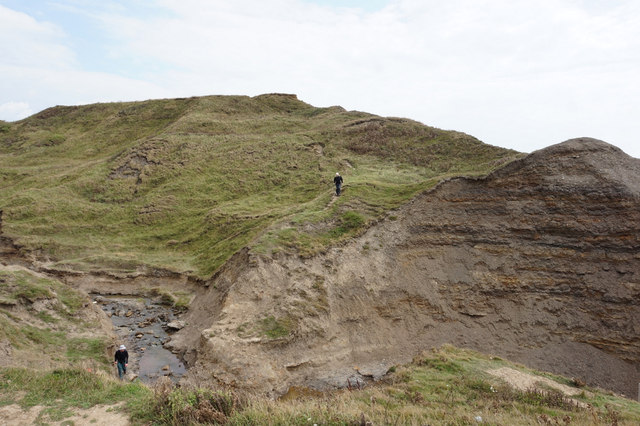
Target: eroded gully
{"type": "Point", "coordinates": [144, 325]}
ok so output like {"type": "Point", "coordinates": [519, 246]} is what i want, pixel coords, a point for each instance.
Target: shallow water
{"type": "Point", "coordinates": [140, 324]}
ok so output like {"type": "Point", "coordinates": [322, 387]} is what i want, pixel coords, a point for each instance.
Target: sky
{"type": "Point", "coordinates": [522, 74]}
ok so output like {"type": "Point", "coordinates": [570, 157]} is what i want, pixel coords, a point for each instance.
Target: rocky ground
{"type": "Point", "coordinates": [144, 325]}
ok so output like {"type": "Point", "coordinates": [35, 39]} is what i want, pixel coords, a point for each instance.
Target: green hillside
{"type": "Point", "coordinates": [183, 184]}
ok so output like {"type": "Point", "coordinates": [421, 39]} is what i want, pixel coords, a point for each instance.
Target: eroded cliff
{"type": "Point", "coordinates": [538, 262]}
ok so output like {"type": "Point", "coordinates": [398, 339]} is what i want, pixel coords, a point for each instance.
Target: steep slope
{"type": "Point", "coordinates": [537, 262]}
{"type": "Point", "coordinates": [182, 184]}
{"type": "Point", "coordinates": [46, 324]}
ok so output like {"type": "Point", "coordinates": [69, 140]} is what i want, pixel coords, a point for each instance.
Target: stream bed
{"type": "Point", "coordinates": [143, 325]}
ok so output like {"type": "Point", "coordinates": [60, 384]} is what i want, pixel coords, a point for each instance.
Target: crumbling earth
{"type": "Point", "coordinates": [538, 262]}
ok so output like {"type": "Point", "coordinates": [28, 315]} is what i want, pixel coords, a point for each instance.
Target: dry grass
{"type": "Point", "coordinates": [448, 386]}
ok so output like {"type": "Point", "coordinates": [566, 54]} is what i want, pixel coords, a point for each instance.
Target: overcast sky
{"type": "Point", "coordinates": [522, 74]}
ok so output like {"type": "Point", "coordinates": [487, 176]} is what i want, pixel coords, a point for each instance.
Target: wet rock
{"type": "Point", "coordinates": [147, 322]}
{"type": "Point", "coordinates": [137, 319]}
{"type": "Point", "coordinates": [176, 325]}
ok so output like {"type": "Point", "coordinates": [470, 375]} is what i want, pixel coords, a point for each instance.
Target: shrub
{"type": "Point", "coordinates": [181, 406]}
{"type": "Point", "coordinates": [349, 221]}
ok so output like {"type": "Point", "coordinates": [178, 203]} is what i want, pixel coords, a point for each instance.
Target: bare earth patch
{"type": "Point", "coordinates": [99, 415]}
{"type": "Point", "coordinates": [525, 381]}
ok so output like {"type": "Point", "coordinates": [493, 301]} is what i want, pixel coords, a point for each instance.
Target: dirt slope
{"type": "Point", "coordinates": [537, 262]}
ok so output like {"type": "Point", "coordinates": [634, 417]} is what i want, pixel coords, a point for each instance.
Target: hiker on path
{"type": "Point", "coordinates": [121, 359]}
{"type": "Point", "coordinates": [338, 181]}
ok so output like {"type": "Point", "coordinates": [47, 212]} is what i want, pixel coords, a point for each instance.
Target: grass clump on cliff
{"type": "Point", "coordinates": [183, 184]}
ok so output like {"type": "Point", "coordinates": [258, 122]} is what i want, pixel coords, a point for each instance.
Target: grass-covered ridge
{"type": "Point", "coordinates": [183, 184]}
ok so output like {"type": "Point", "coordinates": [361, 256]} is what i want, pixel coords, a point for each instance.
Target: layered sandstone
{"type": "Point", "coordinates": [538, 262]}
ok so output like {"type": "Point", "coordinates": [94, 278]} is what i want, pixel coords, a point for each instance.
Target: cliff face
{"type": "Point", "coordinates": [538, 262]}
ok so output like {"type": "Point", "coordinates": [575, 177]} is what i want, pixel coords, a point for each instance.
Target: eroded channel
{"type": "Point", "coordinates": [144, 325]}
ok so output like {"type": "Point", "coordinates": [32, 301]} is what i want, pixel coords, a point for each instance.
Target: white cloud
{"type": "Point", "coordinates": [11, 111]}
{"type": "Point", "coordinates": [39, 69]}
{"type": "Point", "coordinates": [517, 73]}
{"type": "Point", "coordinates": [26, 41]}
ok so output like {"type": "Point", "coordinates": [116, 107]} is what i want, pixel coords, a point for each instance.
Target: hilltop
{"type": "Point", "coordinates": [182, 184]}
{"type": "Point", "coordinates": [223, 207]}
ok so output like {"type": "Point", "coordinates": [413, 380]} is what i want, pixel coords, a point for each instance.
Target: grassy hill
{"type": "Point", "coordinates": [182, 184]}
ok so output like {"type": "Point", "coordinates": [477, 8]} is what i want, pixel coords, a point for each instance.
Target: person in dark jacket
{"type": "Point", "coordinates": [338, 181]}
{"type": "Point", "coordinates": [121, 359]}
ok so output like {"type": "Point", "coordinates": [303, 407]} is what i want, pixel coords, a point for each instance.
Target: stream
{"type": "Point", "coordinates": [141, 324]}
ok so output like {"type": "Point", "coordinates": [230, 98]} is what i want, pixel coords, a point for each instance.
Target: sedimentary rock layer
{"type": "Point", "coordinates": [539, 262]}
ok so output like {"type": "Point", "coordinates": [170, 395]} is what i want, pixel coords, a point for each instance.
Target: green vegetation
{"type": "Point", "coordinates": [182, 184]}
{"type": "Point", "coordinates": [443, 387]}
{"type": "Point", "coordinates": [46, 335]}
{"type": "Point", "coordinates": [269, 327]}
{"type": "Point", "coordinates": [61, 390]}
{"type": "Point", "coordinates": [184, 406]}
{"type": "Point", "coordinates": [275, 328]}
{"type": "Point", "coordinates": [177, 299]}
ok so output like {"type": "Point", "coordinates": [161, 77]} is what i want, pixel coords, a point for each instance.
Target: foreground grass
{"type": "Point", "coordinates": [445, 387]}
{"type": "Point", "coordinates": [183, 184]}
{"type": "Point", "coordinates": [448, 386]}
{"type": "Point", "coordinates": [60, 391]}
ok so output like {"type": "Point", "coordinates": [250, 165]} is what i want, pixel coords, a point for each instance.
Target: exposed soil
{"type": "Point", "coordinates": [528, 382]}
{"type": "Point", "coordinates": [99, 415]}
{"type": "Point", "coordinates": [537, 263]}
{"type": "Point", "coordinates": [524, 381]}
